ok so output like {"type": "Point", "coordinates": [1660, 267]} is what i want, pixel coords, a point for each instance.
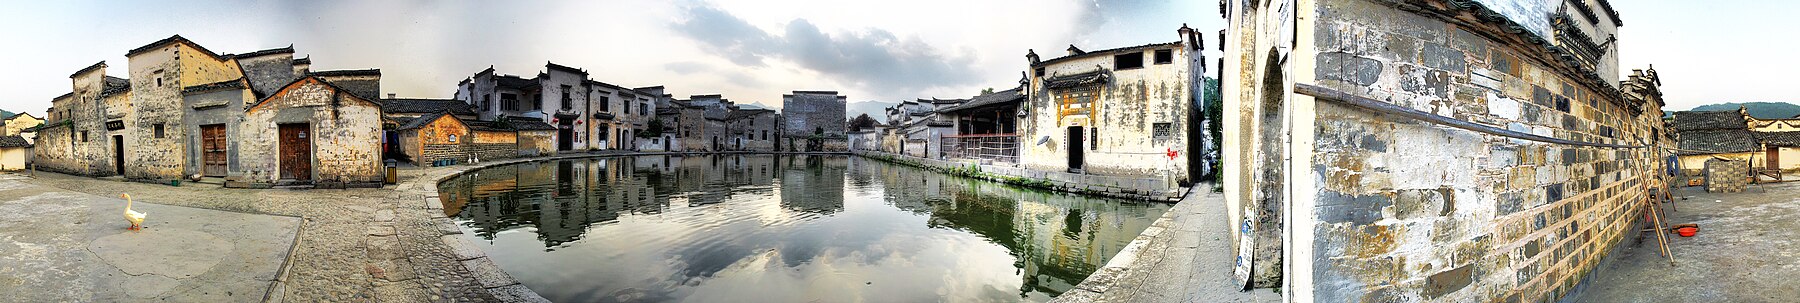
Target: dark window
{"type": "Point", "coordinates": [509, 102]}
{"type": "Point", "coordinates": [568, 101]}
{"type": "Point", "coordinates": [644, 108]}
{"type": "Point", "coordinates": [84, 136]}
{"type": "Point", "coordinates": [158, 129]}
{"type": "Point", "coordinates": [1128, 61]}
{"type": "Point", "coordinates": [626, 103]}
{"type": "Point", "coordinates": [158, 76]}
{"type": "Point", "coordinates": [765, 134]}
{"type": "Point", "coordinates": [537, 101]}
{"type": "Point", "coordinates": [605, 104]}
{"type": "Point", "coordinates": [1162, 130]}
{"type": "Point", "coordinates": [1165, 56]}
{"type": "Point", "coordinates": [487, 100]}
{"type": "Point", "coordinates": [1039, 72]}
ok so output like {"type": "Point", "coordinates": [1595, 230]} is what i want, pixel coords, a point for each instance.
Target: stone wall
{"type": "Point", "coordinates": [1400, 210]}
{"type": "Point", "coordinates": [490, 151]}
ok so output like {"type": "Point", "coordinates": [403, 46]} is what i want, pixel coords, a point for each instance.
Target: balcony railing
{"type": "Point", "coordinates": [989, 147]}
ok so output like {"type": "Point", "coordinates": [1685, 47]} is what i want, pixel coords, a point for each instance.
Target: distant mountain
{"type": "Point", "coordinates": [875, 109]}
{"type": "Point", "coordinates": [1760, 110]}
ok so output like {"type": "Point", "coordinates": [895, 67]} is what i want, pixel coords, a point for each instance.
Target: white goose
{"type": "Point", "coordinates": [136, 218]}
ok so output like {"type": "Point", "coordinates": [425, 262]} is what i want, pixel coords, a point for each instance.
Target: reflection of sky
{"type": "Point", "coordinates": [753, 244]}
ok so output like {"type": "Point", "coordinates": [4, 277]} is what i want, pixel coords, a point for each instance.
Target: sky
{"type": "Point", "coordinates": [754, 51]}
{"type": "Point", "coordinates": [749, 51]}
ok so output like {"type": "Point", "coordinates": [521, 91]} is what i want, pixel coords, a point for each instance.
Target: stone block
{"type": "Point", "coordinates": [460, 248]}
{"type": "Point", "coordinates": [489, 274]}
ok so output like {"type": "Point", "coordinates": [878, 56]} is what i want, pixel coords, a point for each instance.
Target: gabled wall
{"type": "Point", "coordinates": [345, 131]}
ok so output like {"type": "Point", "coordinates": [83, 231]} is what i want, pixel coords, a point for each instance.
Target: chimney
{"type": "Point", "coordinates": [1075, 51]}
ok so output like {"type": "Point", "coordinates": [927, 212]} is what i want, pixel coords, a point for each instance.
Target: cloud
{"type": "Point", "coordinates": [872, 60]}
{"type": "Point", "coordinates": [687, 67]}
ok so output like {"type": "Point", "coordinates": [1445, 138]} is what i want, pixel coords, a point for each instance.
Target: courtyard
{"type": "Point", "coordinates": [1745, 251]}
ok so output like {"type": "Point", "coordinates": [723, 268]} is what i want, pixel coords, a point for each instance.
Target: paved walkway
{"type": "Point", "coordinates": [1747, 250]}
{"type": "Point", "coordinates": [61, 246]}
{"type": "Point", "coordinates": [1185, 256]}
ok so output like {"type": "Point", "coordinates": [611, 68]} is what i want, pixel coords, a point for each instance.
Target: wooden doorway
{"type": "Point", "coordinates": [296, 152]}
{"type": "Point", "coordinates": [1076, 149]}
{"type": "Point", "coordinates": [212, 148]}
{"type": "Point", "coordinates": [118, 154]}
{"type": "Point", "coordinates": [1774, 158]}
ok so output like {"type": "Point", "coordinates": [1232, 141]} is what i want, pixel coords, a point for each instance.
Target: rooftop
{"type": "Point", "coordinates": [167, 41]}
{"type": "Point", "coordinates": [1692, 120]}
{"type": "Point", "coordinates": [285, 50]}
{"type": "Point", "coordinates": [1107, 52]}
{"type": "Point", "coordinates": [405, 105]}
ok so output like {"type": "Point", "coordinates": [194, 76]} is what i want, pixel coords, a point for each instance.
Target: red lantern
{"type": "Point", "coordinates": [578, 122]}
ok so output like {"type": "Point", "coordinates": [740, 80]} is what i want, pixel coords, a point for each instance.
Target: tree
{"type": "Point", "coordinates": [861, 122]}
{"type": "Point", "coordinates": [652, 130]}
{"type": "Point", "coordinates": [989, 90]}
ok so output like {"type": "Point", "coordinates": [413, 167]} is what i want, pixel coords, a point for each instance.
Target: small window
{"type": "Point", "coordinates": [1128, 61]}
{"type": "Point", "coordinates": [1165, 56]}
{"type": "Point", "coordinates": [158, 76]}
{"type": "Point", "coordinates": [567, 97]}
{"type": "Point", "coordinates": [537, 101]}
{"type": "Point", "coordinates": [452, 138]}
{"type": "Point", "coordinates": [84, 136]}
{"type": "Point", "coordinates": [1162, 130]}
{"type": "Point", "coordinates": [1039, 72]}
{"type": "Point", "coordinates": [158, 129]}
{"type": "Point", "coordinates": [644, 108]}
{"type": "Point", "coordinates": [605, 104]}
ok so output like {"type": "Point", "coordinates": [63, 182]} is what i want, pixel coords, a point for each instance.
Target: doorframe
{"type": "Point", "coordinates": [312, 151]}
{"type": "Point", "coordinates": [119, 154]}
{"type": "Point", "coordinates": [1077, 145]}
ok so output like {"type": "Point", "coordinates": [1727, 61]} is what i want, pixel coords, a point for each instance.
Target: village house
{"type": "Point", "coordinates": [21, 124]}
{"type": "Point", "coordinates": [1141, 97]}
{"type": "Point", "coordinates": [183, 114]}
{"type": "Point", "coordinates": [315, 133]}
{"type": "Point", "coordinates": [1711, 137]}
{"type": "Point", "coordinates": [1432, 150]}
{"type": "Point", "coordinates": [812, 121]}
{"type": "Point", "coordinates": [986, 128]}
{"type": "Point", "coordinates": [587, 114]}
{"type": "Point", "coordinates": [752, 129]}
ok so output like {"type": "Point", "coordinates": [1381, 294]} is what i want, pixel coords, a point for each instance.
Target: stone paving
{"type": "Point", "coordinates": [1185, 256]}
{"type": "Point", "coordinates": [356, 245]}
{"type": "Point", "coordinates": [62, 246]}
{"type": "Point", "coordinates": [1747, 250]}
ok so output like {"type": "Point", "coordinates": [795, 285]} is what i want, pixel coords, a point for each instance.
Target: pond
{"type": "Point", "coordinates": [782, 229]}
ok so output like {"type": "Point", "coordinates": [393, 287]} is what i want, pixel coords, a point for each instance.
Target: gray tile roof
{"type": "Point", "coordinates": [14, 141]}
{"type": "Point", "coordinates": [1783, 139]}
{"type": "Point", "coordinates": [414, 106]}
{"type": "Point", "coordinates": [1692, 120]}
{"type": "Point", "coordinates": [1087, 78]}
{"type": "Point", "coordinates": [1705, 141]}
{"type": "Point", "coordinates": [423, 120]}
{"type": "Point", "coordinates": [1010, 96]}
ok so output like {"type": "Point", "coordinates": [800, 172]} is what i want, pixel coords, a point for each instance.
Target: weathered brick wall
{"type": "Point", "coordinates": [537, 143]}
{"type": "Point", "coordinates": [1726, 176]}
{"type": "Point", "coordinates": [17, 125]}
{"type": "Point", "coordinates": [155, 103]}
{"type": "Point", "coordinates": [491, 151]}
{"type": "Point", "coordinates": [345, 132]}
{"type": "Point", "coordinates": [1410, 211]}
{"type": "Point", "coordinates": [430, 153]}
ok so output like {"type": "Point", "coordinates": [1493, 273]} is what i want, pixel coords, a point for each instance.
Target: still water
{"type": "Point", "coordinates": [782, 229]}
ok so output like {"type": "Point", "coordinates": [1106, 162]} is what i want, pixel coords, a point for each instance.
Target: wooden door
{"type": "Point", "coordinates": [212, 147]}
{"type": "Point", "coordinates": [1774, 157]}
{"type": "Point", "coordinates": [296, 152]}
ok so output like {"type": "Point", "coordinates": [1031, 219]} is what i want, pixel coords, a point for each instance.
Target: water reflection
{"type": "Point", "coordinates": [800, 228]}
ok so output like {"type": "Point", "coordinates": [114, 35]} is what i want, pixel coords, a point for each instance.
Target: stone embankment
{"type": "Point", "coordinates": [1152, 189]}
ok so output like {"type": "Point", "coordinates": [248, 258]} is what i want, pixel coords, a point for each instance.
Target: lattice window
{"type": "Point", "coordinates": [1162, 130]}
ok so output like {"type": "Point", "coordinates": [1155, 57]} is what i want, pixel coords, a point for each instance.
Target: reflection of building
{"type": "Point", "coordinates": [812, 183]}
{"type": "Point", "coordinates": [1061, 238]}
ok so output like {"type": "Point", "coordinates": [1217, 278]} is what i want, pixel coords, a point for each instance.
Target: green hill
{"type": "Point", "coordinates": [1760, 110]}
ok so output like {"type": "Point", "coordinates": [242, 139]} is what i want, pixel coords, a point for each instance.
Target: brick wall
{"type": "Point", "coordinates": [1726, 176]}
{"type": "Point", "coordinates": [1400, 210]}
{"type": "Point", "coordinates": [344, 131]}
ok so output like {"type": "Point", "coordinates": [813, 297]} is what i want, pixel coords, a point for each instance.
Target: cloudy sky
{"type": "Point", "coordinates": [753, 51]}
{"type": "Point", "coordinates": [750, 51]}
